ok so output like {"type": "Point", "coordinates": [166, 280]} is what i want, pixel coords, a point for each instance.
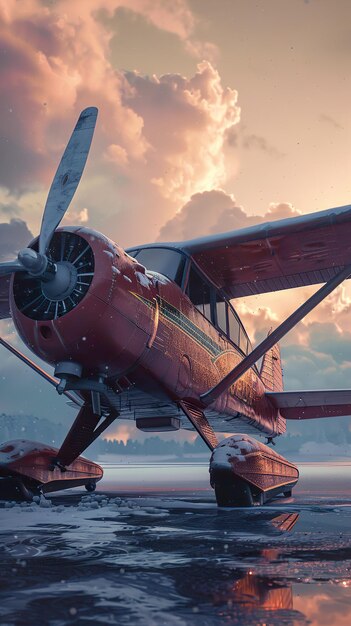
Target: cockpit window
{"type": "Point", "coordinates": [170, 263]}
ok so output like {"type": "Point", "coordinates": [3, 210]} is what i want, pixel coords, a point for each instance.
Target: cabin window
{"type": "Point", "coordinates": [234, 326]}
{"type": "Point", "coordinates": [243, 340]}
{"type": "Point", "coordinates": [199, 293]}
{"type": "Point", "coordinates": [168, 262]}
{"type": "Point", "coordinates": [221, 310]}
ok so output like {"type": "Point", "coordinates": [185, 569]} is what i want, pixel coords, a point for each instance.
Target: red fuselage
{"type": "Point", "coordinates": [136, 322]}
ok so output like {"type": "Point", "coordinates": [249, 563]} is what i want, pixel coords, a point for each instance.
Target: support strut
{"type": "Point", "coordinates": [84, 430]}
{"type": "Point", "coordinates": [211, 395]}
{"type": "Point", "coordinates": [200, 423]}
{"type": "Point", "coordinates": [50, 379]}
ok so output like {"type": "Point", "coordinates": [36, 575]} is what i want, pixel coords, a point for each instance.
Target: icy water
{"type": "Point", "coordinates": [151, 548]}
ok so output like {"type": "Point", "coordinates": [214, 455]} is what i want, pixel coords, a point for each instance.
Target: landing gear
{"type": "Point", "coordinates": [90, 486]}
{"type": "Point", "coordinates": [287, 493]}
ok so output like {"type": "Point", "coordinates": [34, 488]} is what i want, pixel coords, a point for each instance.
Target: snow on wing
{"type": "Point", "coordinates": [294, 252]}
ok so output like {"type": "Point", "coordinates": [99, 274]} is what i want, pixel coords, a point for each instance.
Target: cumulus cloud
{"type": "Point", "coordinates": [258, 321]}
{"type": "Point", "coordinates": [9, 209]}
{"type": "Point", "coordinates": [55, 62]}
{"type": "Point", "coordinates": [77, 217]}
{"type": "Point", "coordinates": [216, 211]}
{"type": "Point", "coordinates": [305, 368]}
{"type": "Point", "coordinates": [158, 140]}
{"type": "Point", "coordinates": [184, 125]}
{"type": "Point", "coordinates": [13, 236]}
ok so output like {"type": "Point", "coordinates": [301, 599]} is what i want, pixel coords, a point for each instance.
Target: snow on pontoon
{"type": "Point", "coordinates": [27, 468]}
{"type": "Point", "coordinates": [244, 471]}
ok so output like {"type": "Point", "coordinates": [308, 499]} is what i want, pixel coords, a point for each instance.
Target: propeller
{"type": "Point", "coordinates": [63, 187]}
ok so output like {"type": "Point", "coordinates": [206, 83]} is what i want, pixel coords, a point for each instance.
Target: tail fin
{"type": "Point", "coordinates": [271, 370]}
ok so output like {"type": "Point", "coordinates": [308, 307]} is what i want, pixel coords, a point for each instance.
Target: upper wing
{"type": "Point", "coordinates": [278, 255]}
{"type": "Point", "coordinates": [304, 405]}
{"type": "Point", "coordinates": [4, 297]}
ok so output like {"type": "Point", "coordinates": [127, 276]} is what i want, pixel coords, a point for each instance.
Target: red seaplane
{"type": "Point", "coordinates": [150, 334]}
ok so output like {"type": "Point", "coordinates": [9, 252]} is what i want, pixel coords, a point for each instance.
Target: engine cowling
{"type": "Point", "coordinates": [91, 316]}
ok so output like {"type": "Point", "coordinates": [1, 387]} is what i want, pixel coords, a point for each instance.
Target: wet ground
{"type": "Point", "coordinates": [151, 548]}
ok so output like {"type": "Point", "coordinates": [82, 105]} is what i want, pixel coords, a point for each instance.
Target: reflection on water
{"type": "Point", "coordinates": [247, 597]}
{"type": "Point", "coordinates": [253, 591]}
{"type": "Point", "coordinates": [176, 560]}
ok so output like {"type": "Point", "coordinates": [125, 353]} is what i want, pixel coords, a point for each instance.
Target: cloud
{"type": "Point", "coordinates": [240, 138]}
{"type": "Point", "coordinates": [184, 124]}
{"type": "Point", "coordinates": [77, 217]}
{"type": "Point", "coordinates": [13, 237]}
{"type": "Point", "coordinates": [258, 321]}
{"type": "Point", "coordinates": [158, 139]}
{"type": "Point", "coordinates": [305, 368]}
{"type": "Point", "coordinates": [261, 143]}
{"type": "Point", "coordinates": [10, 209]}
{"type": "Point", "coordinates": [174, 16]}
{"type": "Point", "coordinates": [216, 211]}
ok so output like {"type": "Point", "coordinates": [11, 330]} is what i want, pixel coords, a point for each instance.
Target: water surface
{"type": "Point", "coordinates": [152, 548]}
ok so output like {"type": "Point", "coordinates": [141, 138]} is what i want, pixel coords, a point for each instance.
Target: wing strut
{"type": "Point", "coordinates": [211, 395]}
{"type": "Point", "coordinates": [50, 379]}
{"type": "Point", "coordinates": [84, 430]}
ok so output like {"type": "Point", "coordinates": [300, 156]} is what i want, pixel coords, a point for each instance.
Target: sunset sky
{"type": "Point", "coordinates": [213, 115]}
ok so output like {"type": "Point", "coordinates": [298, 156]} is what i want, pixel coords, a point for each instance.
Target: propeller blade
{"type": "Point", "coordinates": [10, 267]}
{"type": "Point", "coordinates": [67, 176]}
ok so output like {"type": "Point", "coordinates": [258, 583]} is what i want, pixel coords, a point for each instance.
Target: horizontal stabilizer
{"type": "Point", "coordinates": [302, 405]}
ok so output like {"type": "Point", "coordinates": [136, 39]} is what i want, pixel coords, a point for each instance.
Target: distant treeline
{"type": "Point", "coordinates": [43, 430]}
{"type": "Point", "coordinates": [333, 431]}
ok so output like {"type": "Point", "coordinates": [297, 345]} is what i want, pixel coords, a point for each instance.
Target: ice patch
{"type": "Point", "coordinates": [44, 503]}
